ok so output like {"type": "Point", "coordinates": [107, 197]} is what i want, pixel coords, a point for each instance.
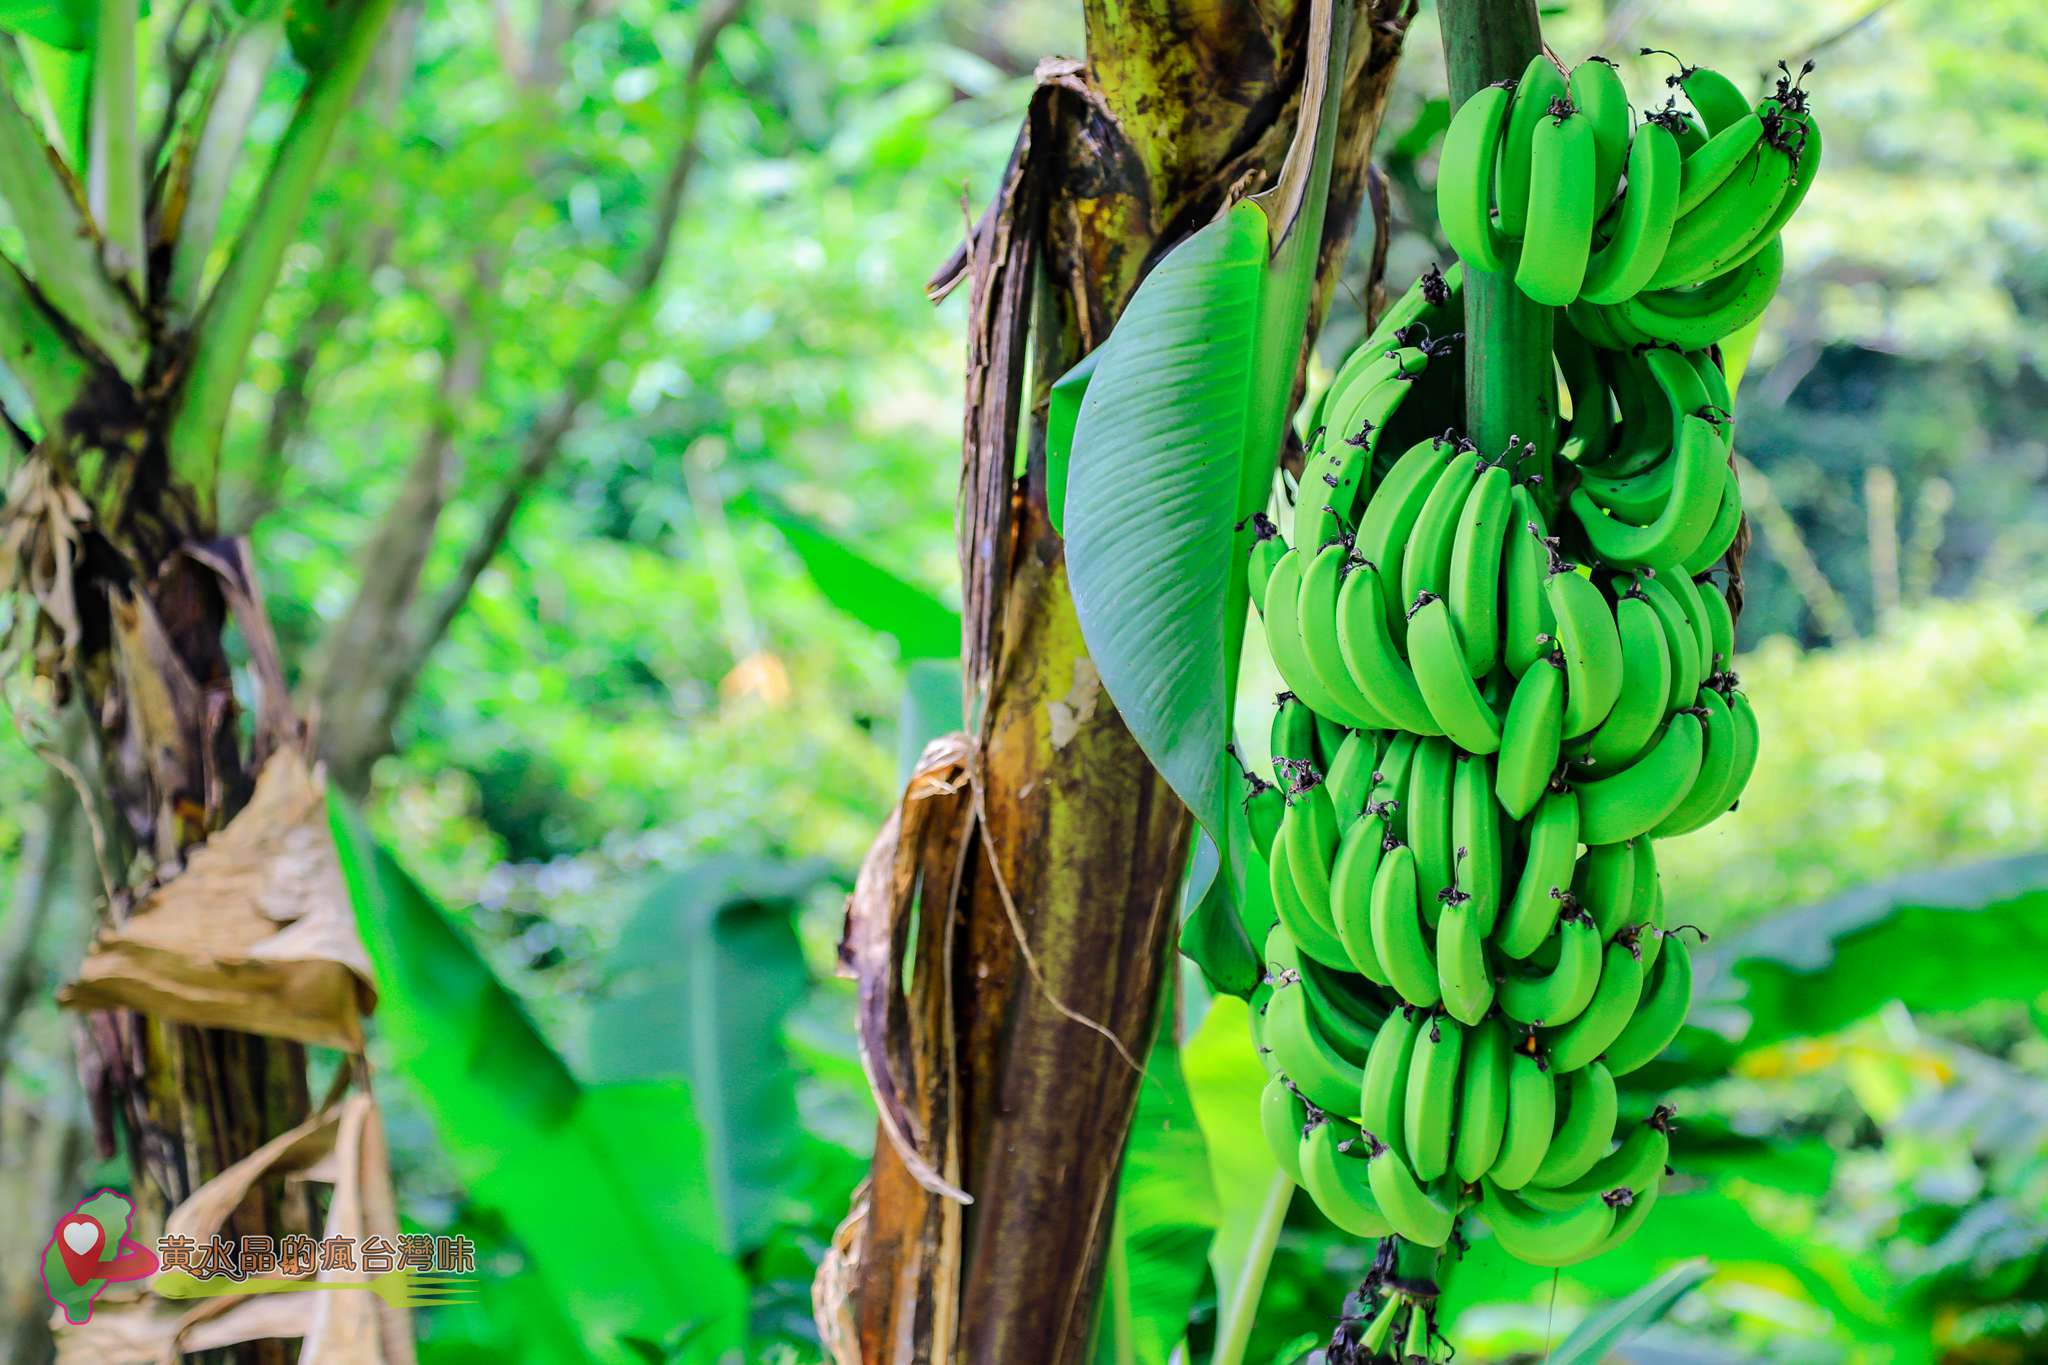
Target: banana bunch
{"type": "Point", "coordinates": [1664, 232]}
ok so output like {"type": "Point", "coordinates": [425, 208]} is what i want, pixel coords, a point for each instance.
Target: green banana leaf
{"type": "Point", "coordinates": [1062, 412]}
{"type": "Point", "coordinates": [1937, 940]}
{"type": "Point", "coordinates": [604, 1186]}
{"type": "Point", "coordinates": [704, 975]}
{"type": "Point", "coordinates": [1602, 1330]}
{"type": "Point", "coordinates": [1173, 448]}
{"type": "Point", "coordinates": [1166, 1214]}
{"type": "Point", "coordinates": [883, 601]}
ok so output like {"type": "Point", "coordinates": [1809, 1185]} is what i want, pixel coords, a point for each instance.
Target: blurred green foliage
{"type": "Point", "coordinates": [642, 767]}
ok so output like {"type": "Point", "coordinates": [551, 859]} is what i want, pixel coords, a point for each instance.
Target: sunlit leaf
{"type": "Point", "coordinates": [877, 597]}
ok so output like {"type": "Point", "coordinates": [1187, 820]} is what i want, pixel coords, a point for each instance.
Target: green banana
{"type": "Point", "coordinates": [1556, 997]}
{"type": "Point", "coordinates": [1426, 562]}
{"type": "Point", "coordinates": [1586, 1130]}
{"type": "Point", "coordinates": [1636, 1164]}
{"type": "Point", "coordinates": [1545, 1239]}
{"type": "Point", "coordinates": [1631, 1215]}
{"type": "Point", "coordinates": [1462, 972]}
{"type": "Point", "coordinates": [1708, 795]}
{"type": "Point", "coordinates": [1720, 624]}
{"type": "Point", "coordinates": [1292, 738]}
{"type": "Point", "coordinates": [1482, 1101]}
{"type": "Point", "coordinates": [1429, 1109]}
{"type": "Point", "coordinates": [1351, 879]}
{"type": "Point", "coordinates": [1527, 622]}
{"type": "Point", "coordinates": [1635, 247]}
{"type": "Point", "coordinates": [1317, 615]}
{"type": "Point", "coordinates": [1532, 1116]}
{"type": "Point", "coordinates": [1306, 920]}
{"type": "Point", "coordinates": [1476, 839]}
{"type": "Point", "coordinates": [1282, 1115]}
{"type": "Point", "coordinates": [1464, 180]}
{"type": "Point", "coordinates": [1342, 1019]}
{"type": "Point", "coordinates": [1384, 532]}
{"type": "Point", "coordinates": [1659, 1015]}
{"type": "Point", "coordinates": [1564, 168]}
{"type": "Point", "coordinates": [1365, 642]}
{"type": "Point", "coordinates": [1333, 1170]}
{"type": "Point", "coordinates": [1604, 885]}
{"type": "Point", "coordinates": [1264, 806]}
{"type": "Point", "coordinates": [1720, 101]}
{"type": "Point", "coordinates": [1591, 644]}
{"type": "Point", "coordinates": [1723, 302]}
{"type": "Point", "coordinates": [1621, 985]}
{"type": "Point", "coordinates": [1397, 938]}
{"type": "Point", "coordinates": [1531, 739]}
{"type": "Point", "coordinates": [1325, 1078]}
{"type": "Point", "coordinates": [1424, 1216]}
{"type": "Point", "coordinates": [1595, 87]}
{"type": "Point", "coordinates": [1709, 240]}
{"type": "Point", "coordinates": [1687, 515]}
{"type": "Point", "coordinates": [1349, 777]}
{"type": "Point", "coordinates": [1385, 1086]}
{"type": "Point", "coordinates": [1430, 798]}
{"type": "Point", "coordinates": [1267, 548]}
{"type": "Point", "coordinates": [1390, 782]}
{"type": "Point", "coordinates": [1687, 669]}
{"type": "Point", "coordinates": [1290, 653]}
{"type": "Point", "coordinates": [1647, 910]}
{"type": "Point", "coordinates": [1553, 843]}
{"type": "Point", "coordinates": [1687, 595]}
{"type": "Point", "coordinates": [1454, 699]}
{"type": "Point", "coordinates": [1721, 535]}
{"type": "Point", "coordinates": [1706, 170]}
{"type": "Point", "coordinates": [1636, 799]}
{"type": "Point", "coordinates": [1540, 84]}
{"type": "Point", "coordinates": [1472, 587]}
{"type": "Point", "coordinates": [1645, 688]}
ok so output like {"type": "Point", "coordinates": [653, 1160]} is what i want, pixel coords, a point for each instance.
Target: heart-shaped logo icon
{"type": "Point", "coordinates": [78, 1242]}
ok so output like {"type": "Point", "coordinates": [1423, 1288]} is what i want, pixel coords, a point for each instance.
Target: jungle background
{"type": "Point", "coordinates": [634, 348]}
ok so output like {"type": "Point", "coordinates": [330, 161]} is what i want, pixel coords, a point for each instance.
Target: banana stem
{"type": "Point", "coordinates": [1234, 1324]}
{"type": "Point", "coordinates": [1510, 382]}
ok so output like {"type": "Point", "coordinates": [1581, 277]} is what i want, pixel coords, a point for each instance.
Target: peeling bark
{"type": "Point", "coordinates": [1047, 954]}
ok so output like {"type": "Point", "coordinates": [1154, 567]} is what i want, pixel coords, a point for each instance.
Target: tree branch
{"type": "Point", "coordinates": [228, 324]}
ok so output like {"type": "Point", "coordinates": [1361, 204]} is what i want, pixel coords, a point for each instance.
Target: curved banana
{"type": "Point", "coordinates": [1636, 1164]}
{"type": "Point", "coordinates": [1717, 233]}
{"type": "Point", "coordinates": [1687, 594]}
{"type": "Point", "coordinates": [1464, 179]}
{"type": "Point", "coordinates": [1390, 515]}
{"type": "Point", "coordinates": [1302, 918]}
{"type": "Point", "coordinates": [1721, 535]}
{"type": "Point", "coordinates": [1720, 624]}
{"type": "Point", "coordinates": [1290, 653]}
{"type": "Point", "coordinates": [1527, 622]}
{"type": "Point", "coordinates": [1595, 87]}
{"type": "Point", "coordinates": [1292, 739]}
{"type": "Point", "coordinates": [1263, 808]}
{"type": "Point", "coordinates": [1545, 1239]}
{"type": "Point", "coordinates": [1349, 777]}
{"type": "Point", "coordinates": [1335, 1012]}
{"type": "Point", "coordinates": [1541, 84]}
{"type": "Point", "coordinates": [1397, 930]}
{"type": "Point", "coordinates": [1333, 1167]}
{"type": "Point", "coordinates": [1720, 101]}
{"type": "Point", "coordinates": [1390, 782]}
{"type": "Point", "coordinates": [1473, 586]}
{"type": "Point", "coordinates": [1532, 1117]}
{"type": "Point", "coordinates": [1385, 1088]}
{"type": "Point", "coordinates": [1430, 1107]}
{"type": "Point", "coordinates": [1642, 224]}
{"type": "Point", "coordinates": [1282, 1115]}
{"type": "Point", "coordinates": [1365, 642]}
{"type": "Point", "coordinates": [1645, 688]}
{"type": "Point", "coordinates": [1705, 798]}
{"type": "Point", "coordinates": [1621, 985]}
{"type": "Point", "coordinates": [1531, 739]}
{"type": "Point", "coordinates": [1476, 844]}
{"type": "Point", "coordinates": [1424, 1216]}
{"type": "Point", "coordinates": [1351, 879]}
{"type": "Point", "coordinates": [1687, 668]}
{"type": "Point", "coordinates": [1558, 996]}
{"type": "Point", "coordinates": [1604, 885]}
{"type": "Point", "coordinates": [1316, 613]}
{"type": "Point", "coordinates": [1636, 799]}
{"type": "Point", "coordinates": [1462, 972]}
{"type": "Point", "coordinates": [1557, 240]}
{"type": "Point", "coordinates": [1322, 1074]}
{"type": "Point", "coordinates": [1720, 305]}
{"type": "Point", "coordinates": [1482, 1102]}
{"type": "Point", "coordinates": [1267, 548]}
{"type": "Point", "coordinates": [1647, 911]}
{"type": "Point", "coordinates": [1631, 1215]}
{"type": "Point", "coordinates": [1687, 516]}
{"type": "Point", "coordinates": [1659, 1015]}
{"type": "Point", "coordinates": [1706, 169]}
{"type": "Point", "coordinates": [1586, 1131]}
{"type": "Point", "coordinates": [1592, 649]}
{"type": "Point", "coordinates": [1553, 842]}
{"type": "Point", "coordinates": [1438, 658]}
{"type": "Point", "coordinates": [1426, 560]}
{"type": "Point", "coordinates": [1430, 798]}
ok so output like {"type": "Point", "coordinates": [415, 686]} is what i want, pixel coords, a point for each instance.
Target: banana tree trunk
{"type": "Point", "coordinates": [1044, 854]}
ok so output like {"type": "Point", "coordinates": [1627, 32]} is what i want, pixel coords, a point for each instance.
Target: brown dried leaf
{"type": "Point", "coordinates": [207, 948]}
